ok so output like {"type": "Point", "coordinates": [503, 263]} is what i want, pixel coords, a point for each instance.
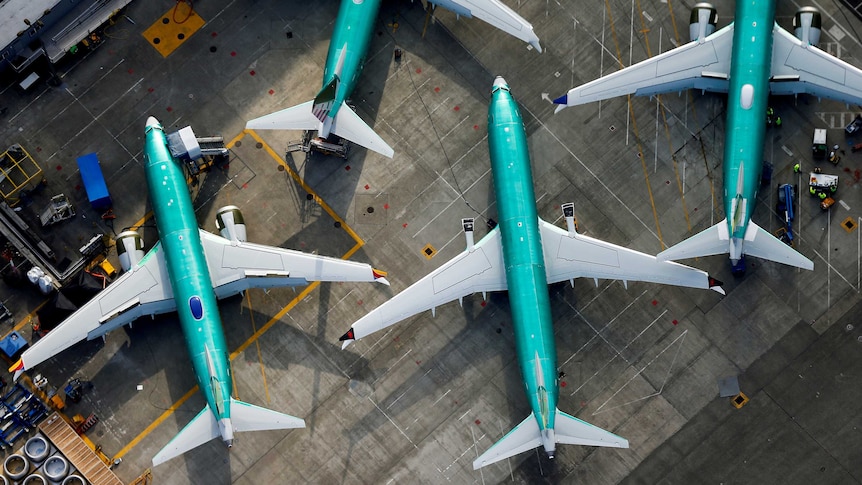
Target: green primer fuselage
{"type": "Point", "coordinates": [352, 34]}
{"type": "Point", "coordinates": [522, 255]}
{"type": "Point", "coordinates": [751, 64]}
{"type": "Point", "coordinates": [187, 268]}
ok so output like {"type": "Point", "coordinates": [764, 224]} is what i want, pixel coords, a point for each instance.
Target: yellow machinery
{"type": "Point", "coordinates": [17, 169]}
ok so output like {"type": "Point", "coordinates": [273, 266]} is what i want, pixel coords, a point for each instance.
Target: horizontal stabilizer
{"type": "Point", "coordinates": [573, 431]}
{"type": "Point", "coordinates": [299, 117]}
{"type": "Point", "coordinates": [761, 244]}
{"type": "Point", "coordinates": [248, 417]}
{"type": "Point", "coordinates": [200, 430]}
{"type": "Point", "coordinates": [567, 430]}
{"type": "Point", "coordinates": [711, 241]}
{"type": "Point", "coordinates": [758, 243]}
{"type": "Point", "coordinates": [523, 437]}
{"type": "Point", "coordinates": [349, 125]}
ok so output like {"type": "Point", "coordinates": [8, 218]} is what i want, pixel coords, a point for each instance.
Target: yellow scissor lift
{"type": "Point", "coordinates": [17, 170]}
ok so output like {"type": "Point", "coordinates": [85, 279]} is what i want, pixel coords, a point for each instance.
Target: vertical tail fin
{"type": "Point", "coordinates": [325, 100]}
{"type": "Point", "coordinates": [568, 430]}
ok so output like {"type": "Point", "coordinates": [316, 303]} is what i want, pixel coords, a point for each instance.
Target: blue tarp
{"type": "Point", "coordinates": [94, 182]}
{"type": "Point", "coordinates": [13, 345]}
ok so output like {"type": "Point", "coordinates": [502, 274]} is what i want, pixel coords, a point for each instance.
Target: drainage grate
{"type": "Point", "coordinates": [429, 251]}
{"type": "Point", "coordinates": [739, 401]}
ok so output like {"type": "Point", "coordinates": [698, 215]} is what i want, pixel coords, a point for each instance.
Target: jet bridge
{"type": "Point", "coordinates": [197, 152]}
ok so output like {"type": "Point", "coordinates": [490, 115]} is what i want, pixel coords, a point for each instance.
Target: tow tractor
{"type": "Point", "coordinates": [337, 147]}
{"type": "Point", "coordinates": [786, 193]}
{"type": "Point", "coordinates": [823, 186]}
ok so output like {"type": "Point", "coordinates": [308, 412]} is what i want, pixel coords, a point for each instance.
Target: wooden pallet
{"type": "Point", "coordinates": [77, 452]}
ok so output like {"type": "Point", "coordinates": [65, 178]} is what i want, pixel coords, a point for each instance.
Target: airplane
{"type": "Point", "coordinates": [748, 59]}
{"type": "Point", "coordinates": [328, 112]}
{"type": "Point", "coordinates": [186, 271]}
{"type": "Point", "coordinates": [523, 254]}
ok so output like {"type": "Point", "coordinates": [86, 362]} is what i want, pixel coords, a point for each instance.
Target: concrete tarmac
{"type": "Point", "coordinates": [419, 402]}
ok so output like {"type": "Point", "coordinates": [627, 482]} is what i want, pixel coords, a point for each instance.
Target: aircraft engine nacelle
{"type": "Point", "coordinates": [702, 22]}
{"type": "Point", "coordinates": [806, 25]}
{"type": "Point", "coordinates": [230, 223]}
{"type": "Point", "coordinates": [130, 249]}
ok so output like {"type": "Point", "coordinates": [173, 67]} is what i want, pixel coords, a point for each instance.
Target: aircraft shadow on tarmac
{"type": "Point", "coordinates": [479, 353]}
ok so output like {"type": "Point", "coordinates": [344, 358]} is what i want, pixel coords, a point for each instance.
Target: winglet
{"type": "Point", "coordinates": [17, 370]}
{"type": "Point", "coordinates": [715, 285]}
{"type": "Point", "coordinates": [380, 276]}
{"type": "Point", "coordinates": [347, 338]}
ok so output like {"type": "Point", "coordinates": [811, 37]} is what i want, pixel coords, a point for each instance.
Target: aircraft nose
{"type": "Point", "coordinates": [500, 82]}
{"type": "Point", "coordinates": [152, 121]}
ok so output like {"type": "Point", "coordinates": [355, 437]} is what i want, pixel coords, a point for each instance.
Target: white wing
{"type": "Point", "coordinates": [700, 65]}
{"type": "Point", "coordinates": [478, 270]}
{"type": "Point", "coordinates": [797, 68]}
{"type": "Point", "coordinates": [496, 14]}
{"type": "Point", "coordinates": [143, 290]}
{"type": "Point", "coordinates": [236, 267]}
{"type": "Point", "coordinates": [572, 255]}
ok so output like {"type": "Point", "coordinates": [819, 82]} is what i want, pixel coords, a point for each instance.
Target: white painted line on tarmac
{"type": "Point", "coordinates": [415, 381]}
{"type": "Point", "coordinates": [393, 423]}
{"type": "Point", "coordinates": [619, 355]}
{"type": "Point", "coordinates": [667, 376]}
{"type": "Point", "coordinates": [598, 333]}
{"type": "Point", "coordinates": [392, 366]}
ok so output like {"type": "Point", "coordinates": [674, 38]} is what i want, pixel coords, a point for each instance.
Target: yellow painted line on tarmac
{"type": "Point", "coordinates": [237, 138]}
{"type": "Point", "coordinates": [257, 333]}
{"type": "Point", "coordinates": [165, 415]}
{"type": "Point", "coordinates": [305, 186]}
{"type": "Point", "coordinates": [257, 344]}
{"type": "Point", "coordinates": [691, 103]}
{"type": "Point", "coordinates": [635, 129]}
{"type": "Point", "coordinates": [24, 321]}
{"type": "Point", "coordinates": [671, 148]}
{"type": "Point", "coordinates": [141, 221]}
